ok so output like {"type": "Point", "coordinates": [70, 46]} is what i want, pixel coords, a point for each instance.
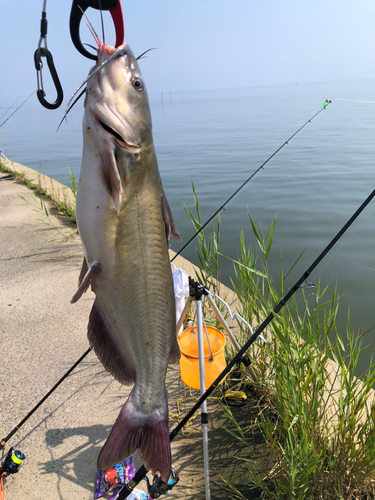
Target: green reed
{"type": "Point", "coordinates": [65, 206]}
{"type": "Point", "coordinates": [207, 250]}
{"type": "Point", "coordinates": [316, 409]}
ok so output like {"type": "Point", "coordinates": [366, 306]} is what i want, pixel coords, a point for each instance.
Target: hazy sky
{"type": "Point", "coordinates": [205, 44]}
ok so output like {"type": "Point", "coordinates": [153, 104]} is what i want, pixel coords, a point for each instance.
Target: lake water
{"type": "Point", "coordinates": [218, 138]}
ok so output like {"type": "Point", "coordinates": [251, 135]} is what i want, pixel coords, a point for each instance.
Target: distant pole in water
{"type": "Point", "coordinates": [170, 96]}
{"type": "Point", "coordinates": [162, 97]}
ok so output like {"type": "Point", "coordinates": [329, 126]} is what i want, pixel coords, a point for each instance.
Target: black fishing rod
{"type": "Point", "coordinates": [10, 107]}
{"type": "Point", "coordinates": [15, 111]}
{"type": "Point", "coordinates": [6, 439]}
{"type": "Point", "coordinates": [325, 104]}
{"type": "Point", "coordinates": [141, 472]}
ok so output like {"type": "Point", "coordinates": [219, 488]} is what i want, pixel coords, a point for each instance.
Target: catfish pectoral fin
{"type": "Point", "coordinates": [84, 282]}
{"type": "Point", "coordinates": [110, 177]}
{"type": "Point", "coordinates": [83, 272]}
{"type": "Point", "coordinates": [133, 430]}
{"type": "Point", "coordinates": [169, 225]}
{"type": "Point", "coordinates": [106, 347]}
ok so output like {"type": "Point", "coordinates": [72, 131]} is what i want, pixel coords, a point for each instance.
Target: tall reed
{"type": "Point", "coordinates": [208, 248]}
{"type": "Point", "coordinates": [318, 411]}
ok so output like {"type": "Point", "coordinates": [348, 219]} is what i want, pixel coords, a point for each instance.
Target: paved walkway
{"type": "Point", "coordinates": [41, 336]}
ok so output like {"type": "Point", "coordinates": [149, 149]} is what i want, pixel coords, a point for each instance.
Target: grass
{"type": "Point", "coordinates": [208, 250]}
{"type": "Point", "coordinates": [317, 410]}
{"type": "Point", "coordinates": [64, 206]}
{"type": "Point", "coordinates": [38, 206]}
{"type": "Point", "coordinates": [208, 269]}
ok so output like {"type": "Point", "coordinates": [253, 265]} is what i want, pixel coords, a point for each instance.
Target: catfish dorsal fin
{"type": "Point", "coordinates": [169, 225]}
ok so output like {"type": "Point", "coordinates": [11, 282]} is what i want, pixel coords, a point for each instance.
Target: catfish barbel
{"type": "Point", "coordinates": [125, 223]}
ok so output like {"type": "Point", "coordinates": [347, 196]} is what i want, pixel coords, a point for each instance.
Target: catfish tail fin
{"type": "Point", "coordinates": [147, 432]}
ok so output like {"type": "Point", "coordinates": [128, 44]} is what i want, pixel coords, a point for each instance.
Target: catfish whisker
{"type": "Point", "coordinates": [91, 46]}
{"type": "Point", "coordinates": [145, 52]}
{"type": "Point", "coordinates": [67, 111]}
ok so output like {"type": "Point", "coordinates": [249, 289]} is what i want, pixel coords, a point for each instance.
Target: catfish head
{"type": "Point", "coordinates": [117, 118]}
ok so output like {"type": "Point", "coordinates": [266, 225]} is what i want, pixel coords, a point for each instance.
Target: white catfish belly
{"type": "Point", "coordinates": [92, 205]}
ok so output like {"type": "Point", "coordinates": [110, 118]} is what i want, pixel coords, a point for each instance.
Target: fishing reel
{"type": "Point", "coordinates": [12, 462]}
{"type": "Point", "coordinates": [158, 487]}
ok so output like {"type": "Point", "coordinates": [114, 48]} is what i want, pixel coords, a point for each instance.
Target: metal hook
{"type": "Point", "coordinates": [44, 52]}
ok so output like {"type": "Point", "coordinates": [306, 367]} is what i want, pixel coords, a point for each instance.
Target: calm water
{"type": "Point", "coordinates": [217, 139]}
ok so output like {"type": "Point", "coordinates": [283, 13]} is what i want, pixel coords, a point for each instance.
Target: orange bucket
{"type": "Point", "coordinates": [189, 361]}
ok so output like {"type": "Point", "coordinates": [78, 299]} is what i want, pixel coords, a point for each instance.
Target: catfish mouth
{"type": "Point", "coordinates": [117, 136]}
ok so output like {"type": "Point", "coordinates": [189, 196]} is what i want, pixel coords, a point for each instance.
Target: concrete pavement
{"type": "Point", "coordinates": [42, 335]}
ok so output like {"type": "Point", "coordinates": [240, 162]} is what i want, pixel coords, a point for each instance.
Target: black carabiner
{"type": "Point", "coordinates": [44, 52]}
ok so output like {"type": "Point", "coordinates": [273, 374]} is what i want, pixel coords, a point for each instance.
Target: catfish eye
{"type": "Point", "coordinates": [137, 84]}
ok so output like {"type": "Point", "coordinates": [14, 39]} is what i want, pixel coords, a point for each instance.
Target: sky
{"type": "Point", "coordinates": [201, 44]}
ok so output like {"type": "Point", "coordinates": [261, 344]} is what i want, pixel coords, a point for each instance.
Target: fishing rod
{"type": "Point", "coordinates": [20, 106]}
{"type": "Point", "coordinates": [6, 439]}
{"type": "Point", "coordinates": [142, 471]}
{"type": "Point", "coordinates": [237, 192]}
{"type": "Point", "coordinates": [10, 107]}
{"type": "Point", "coordinates": [15, 459]}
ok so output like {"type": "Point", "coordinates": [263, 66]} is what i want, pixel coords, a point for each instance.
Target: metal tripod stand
{"type": "Point", "coordinates": [196, 291]}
